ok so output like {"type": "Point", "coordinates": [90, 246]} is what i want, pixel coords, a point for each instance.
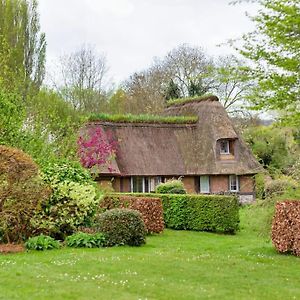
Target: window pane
{"type": "Point", "coordinates": [224, 147]}
{"type": "Point", "coordinates": [137, 184]}
{"type": "Point", "coordinates": [147, 186]}
{"type": "Point", "coordinates": [204, 184]}
{"type": "Point", "coordinates": [233, 183]}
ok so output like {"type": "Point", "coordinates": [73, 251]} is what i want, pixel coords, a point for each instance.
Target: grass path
{"type": "Point", "coordinates": [174, 265]}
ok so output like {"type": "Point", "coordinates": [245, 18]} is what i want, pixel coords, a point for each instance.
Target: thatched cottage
{"type": "Point", "coordinates": [208, 154]}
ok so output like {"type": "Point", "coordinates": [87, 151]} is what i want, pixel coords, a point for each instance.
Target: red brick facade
{"type": "Point", "coordinates": [218, 184]}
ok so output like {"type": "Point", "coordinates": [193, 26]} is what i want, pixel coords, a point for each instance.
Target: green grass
{"type": "Point", "coordinates": [173, 265]}
{"type": "Point", "coordinates": [150, 119]}
{"type": "Point", "coordinates": [181, 101]}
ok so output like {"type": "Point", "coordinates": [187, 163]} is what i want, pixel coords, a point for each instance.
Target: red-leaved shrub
{"type": "Point", "coordinates": [22, 192]}
{"type": "Point", "coordinates": [150, 208]}
{"type": "Point", "coordinates": [286, 227]}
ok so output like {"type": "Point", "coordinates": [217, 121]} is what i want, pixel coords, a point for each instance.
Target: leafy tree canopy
{"type": "Point", "coordinates": [274, 51]}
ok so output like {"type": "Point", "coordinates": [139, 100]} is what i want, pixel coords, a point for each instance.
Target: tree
{"type": "Point", "coordinates": [274, 51]}
{"type": "Point", "coordinates": [273, 146]}
{"type": "Point", "coordinates": [232, 84]}
{"type": "Point", "coordinates": [83, 75]}
{"type": "Point", "coordinates": [96, 150]}
{"type": "Point", "coordinates": [185, 71]}
{"type": "Point", "coordinates": [189, 68]}
{"type": "Point", "coordinates": [145, 91]}
{"type": "Point", "coordinates": [22, 47]}
{"type": "Point", "coordinates": [172, 91]}
{"type": "Point", "coordinates": [117, 102]}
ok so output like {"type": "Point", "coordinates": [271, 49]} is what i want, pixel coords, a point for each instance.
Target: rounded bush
{"type": "Point", "coordinates": [171, 187]}
{"type": "Point", "coordinates": [122, 227]}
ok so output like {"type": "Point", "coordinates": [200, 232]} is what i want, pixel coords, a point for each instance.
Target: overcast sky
{"type": "Point", "coordinates": [131, 32]}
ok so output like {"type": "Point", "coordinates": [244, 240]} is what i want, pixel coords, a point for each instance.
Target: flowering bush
{"type": "Point", "coordinates": [96, 149]}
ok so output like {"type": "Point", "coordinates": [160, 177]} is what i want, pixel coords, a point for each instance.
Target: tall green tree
{"type": "Point", "coordinates": [22, 47]}
{"type": "Point", "coordinates": [274, 51]}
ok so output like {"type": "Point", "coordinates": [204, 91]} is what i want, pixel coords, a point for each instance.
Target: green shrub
{"type": "Point", "coordinates": [66, 171]}
{"type": "Point", "coordinates": [73, 202]}
{"type": "Point", "coordinates": [122, 227]}
{"type": "Point", "coordinates": [86, 240]}
{"type": "Point", "coordinates": [279, 186]}
{"type": "Point", "coordinates": [42, 242]}
{"type": "Point", "coordinates": [260, 185]}
{"type": "Point", "coordinates": [150, 208]}
{"type": "Point", "coordinates": [215, 213]}
{"type": "Point", "coordinates": [171, 187]}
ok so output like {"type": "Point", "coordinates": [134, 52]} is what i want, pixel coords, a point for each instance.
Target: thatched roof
{"type": "Point", "coordinates": [185, 149]}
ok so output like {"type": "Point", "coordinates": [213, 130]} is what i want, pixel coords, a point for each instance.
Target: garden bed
{"type": "Point", "coordinates": [11, 248]}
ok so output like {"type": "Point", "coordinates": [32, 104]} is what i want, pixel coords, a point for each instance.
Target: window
{"type": "Point", "coordinates": [144, 184]}
{"type": "Point", "coordinates": [204, 185]}
{"type": "Point", "coordinates": [137, 184]}
{"type": "Point", "coordinates": [233, 183]}
{"type": "Point", "coordinates": [224, 147]}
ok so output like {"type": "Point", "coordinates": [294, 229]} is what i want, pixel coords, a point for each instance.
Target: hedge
{"type": "Point", "coordinates": [286, 227]}
{"type": "Point", "coordinates": [215, 213]}
{"type": "Point", "coordinates": [150, 209]}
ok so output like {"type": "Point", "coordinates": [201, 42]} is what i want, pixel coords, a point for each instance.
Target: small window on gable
{"type": "Point", "coordinates": [233, 183]}
{"type": "Point", "coordinates": [224, 147]}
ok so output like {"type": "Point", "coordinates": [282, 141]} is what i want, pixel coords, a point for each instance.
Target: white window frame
{"type": "Point", "coordinates": [227, 147]}
{"type": "Point", "coordinates": [150, 180]}
{"type": "Point", "coordinates": [208, 180]}
{"type": "Point", "coordinates": [237, 183]}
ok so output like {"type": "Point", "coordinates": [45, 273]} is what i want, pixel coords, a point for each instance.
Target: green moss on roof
{"type": "Point", "coordinates": [152, 119]}
{"type": "Point", "coordinates": [181, 101]}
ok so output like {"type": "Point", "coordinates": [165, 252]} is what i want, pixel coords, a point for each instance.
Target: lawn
{"type": "Point", "coordinates": [173, 265]}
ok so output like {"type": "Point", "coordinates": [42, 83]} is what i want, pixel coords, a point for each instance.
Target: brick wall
{"type": "Point", "coordinates": [126, 185]}
{"type": "Point", "coordinates": [218, 183]}
{"type": "Point", "coordinates": [116, 184]}
{"type": "Point", "coordinates": [246, 184]}
{"type": "Point", "coordinates": [106, 184]}
{"type": "Point", "coordinates": [189, 184]}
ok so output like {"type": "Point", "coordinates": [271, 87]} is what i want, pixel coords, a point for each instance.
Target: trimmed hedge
{"type": "Point", "coordinates": [122, 227]}
{"type": "Point", "coordinates": [286, 227]}
{"type": "Point", "coordinates": [150, 208]}
{"type": "Point", "coordinates": [215, 213]}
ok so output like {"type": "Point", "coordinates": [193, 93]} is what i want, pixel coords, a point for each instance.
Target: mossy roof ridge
{"type": "Point", "coordinates": [150, 119]}
{"type": "Point", "coordinates": [182, 101]}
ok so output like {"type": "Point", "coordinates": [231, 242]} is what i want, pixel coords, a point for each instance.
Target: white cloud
{"type": "Point", "coordinates": [132, 32]}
